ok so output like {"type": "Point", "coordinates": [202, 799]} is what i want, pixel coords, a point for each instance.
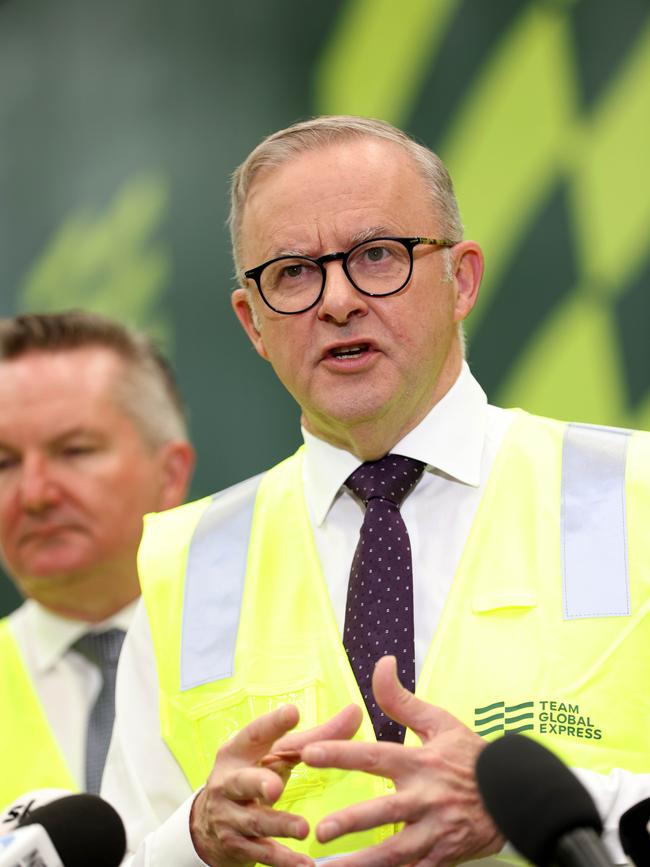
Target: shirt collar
{"type": "Point", "coordinates": [51, 635]}
{"type": "Point", "coordinates": [449, 440]}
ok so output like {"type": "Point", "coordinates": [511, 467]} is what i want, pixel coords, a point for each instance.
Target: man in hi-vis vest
{"type": "Point", "coordinates": [326, 648]}
{"type": "Point", "coordinates": [92, 436]}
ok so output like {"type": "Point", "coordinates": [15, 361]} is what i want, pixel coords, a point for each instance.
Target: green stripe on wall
{"type": "Point", "coordinates": [378, 55]}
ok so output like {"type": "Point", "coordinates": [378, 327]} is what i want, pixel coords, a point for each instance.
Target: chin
{"type": "Point", "coordinates": [353, 413]}
{"type": "Point", "coordinates": [50, 569]}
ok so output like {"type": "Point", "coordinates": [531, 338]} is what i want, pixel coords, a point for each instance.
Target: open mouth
{"type": "Point", "coordinates": [349, 351]}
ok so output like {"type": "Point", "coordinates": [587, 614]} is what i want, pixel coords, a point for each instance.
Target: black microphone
{"type": "Point", "coordinates": [84, 829]}
{"type": "Point", "coordinates": [634, 833]}
{"type": "Point", "coordinates": [539, 805]}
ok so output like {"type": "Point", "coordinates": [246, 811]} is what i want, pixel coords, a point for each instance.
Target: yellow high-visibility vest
{"type": "Point", "coordinates": [31, 756]}
{"type": "Point", "coordinates": [545, 630]}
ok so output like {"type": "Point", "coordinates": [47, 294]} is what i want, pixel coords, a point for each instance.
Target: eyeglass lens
{"type": "Point", "coordinates": [377, 267]}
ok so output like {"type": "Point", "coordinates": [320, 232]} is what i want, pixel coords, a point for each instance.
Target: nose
{"type": "Point", "coordinates": [340, 300]}
{"type": "Point", "coordinates": [38, 489]}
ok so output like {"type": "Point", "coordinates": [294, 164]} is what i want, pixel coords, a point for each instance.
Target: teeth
{"type": "Point", "coordinates": [349, 351]}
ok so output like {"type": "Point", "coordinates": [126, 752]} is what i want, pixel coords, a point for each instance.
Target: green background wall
{"type": "Point", "coordinates": [120, 123]}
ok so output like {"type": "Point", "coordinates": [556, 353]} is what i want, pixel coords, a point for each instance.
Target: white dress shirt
{"type": "Point", "coordinates": [66, 683]}
{"type": "Point", "coordinates": [458, 441]}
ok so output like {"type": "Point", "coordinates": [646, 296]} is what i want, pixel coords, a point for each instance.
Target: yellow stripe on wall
{"type": "Point", "coordinates": [377, 56]}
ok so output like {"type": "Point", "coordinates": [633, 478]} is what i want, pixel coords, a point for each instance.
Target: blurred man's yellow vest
{"type": "Point", "coordinates": [31, 757]}
{"type": "Point", "coordinates": [545, 630]}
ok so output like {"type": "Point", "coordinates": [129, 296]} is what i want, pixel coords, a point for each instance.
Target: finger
{"type": "Point", "coordinates": [228, 832]}
{"type": "Point", "coordinates": [249, 784]}
{"type": "Point", "coordinates": [389, 810]}
{"type": "Point", "coordinates": [282, 764]}
{"type": "Point", "coordinates": [264, 851]}
{"type": "Point", "coordinates": [426, 720]}
{"type": "Point", "coordinates": [384, 759]}
{"type": "Point", "coordinates": [286, 757]}
{"type": "Point", "coordinates": [343, 725]}
{"type": "Point", "coordinates": [251, 820]}
{"type": "Point", "coordinates": [399, 849]}
{"type": "Point", "coordinates": [257, 738]}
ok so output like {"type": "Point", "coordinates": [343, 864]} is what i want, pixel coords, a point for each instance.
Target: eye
{"type": "Point", "coordinates": [293, 271]}
{"type": "Point", "coordinates": [376, 254]}
{"type": "Point", "coordinates": [7, 461]}
{"type": "Point", "coordinates": [77, 450]}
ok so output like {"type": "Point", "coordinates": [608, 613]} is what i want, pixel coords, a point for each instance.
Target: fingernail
{"type": "Point", "coordinates": [315, 754]}
{"type": "Point", "coordinates": [327, 830]}
{"type": "Point", "coordinates": [296, 829]}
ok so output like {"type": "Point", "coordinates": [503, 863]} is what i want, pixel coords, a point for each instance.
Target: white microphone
{"type": "Point", "coordinates": [73, 831]}
{"type": "Point", "coordinates": [28, 847]}
{"type": "Point", "coordinates": [16, 812]}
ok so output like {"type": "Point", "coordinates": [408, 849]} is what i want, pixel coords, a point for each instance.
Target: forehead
{"type": "Point", "coordinates": [327, 196]}
{"type": "Point", "coordinates": [46, 391]}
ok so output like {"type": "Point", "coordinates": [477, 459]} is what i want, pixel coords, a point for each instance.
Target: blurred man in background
{"type": "Point", "coordinates": [92, 436]}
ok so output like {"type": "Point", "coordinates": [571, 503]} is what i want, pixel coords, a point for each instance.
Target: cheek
{"type": "Point", "coordinates": [9, 518]}
{"type": "Point", "coordinates": [286, 348]}
{"type": "Point", "coordinates": [119, 522]}
{"type": "Point", "coordinates": [135, 489]}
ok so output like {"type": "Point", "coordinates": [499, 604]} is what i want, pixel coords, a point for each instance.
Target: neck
{"type": "Point", "coordinates": [371, 438]}
{"type": "Point", "coordinates": [367, 441]}
{"type": "Point", "coordinates": [82, 598]}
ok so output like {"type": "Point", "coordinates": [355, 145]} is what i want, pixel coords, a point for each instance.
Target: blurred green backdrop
{"type": "Point", "coordinates": [120, 123]}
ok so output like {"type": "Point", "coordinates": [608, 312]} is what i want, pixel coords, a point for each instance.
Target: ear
{"type": "Point", "coordinates": [241, 303]}
{"type": "Point", "coordinates": [467, 272]}
{"type": "Point", "coordinates": [177, 459]}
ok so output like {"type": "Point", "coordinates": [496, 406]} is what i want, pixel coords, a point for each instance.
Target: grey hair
{"type": "Point", "coordinates": [146, 391]}
{"type": "Point", "coordinates": [320, 132]}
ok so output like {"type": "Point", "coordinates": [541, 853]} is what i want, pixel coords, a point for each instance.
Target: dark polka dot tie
{"type": "Point", "coordinates": [379, 612]}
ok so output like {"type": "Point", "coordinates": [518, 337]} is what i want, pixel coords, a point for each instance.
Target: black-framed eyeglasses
{"type": "Point", "coordinates": [381, 266]}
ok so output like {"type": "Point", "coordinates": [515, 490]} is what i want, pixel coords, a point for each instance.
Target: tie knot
{"type": "Point", "coordinates": [392, 478]}
{"type": "Point", "coordinates": [101, 648]}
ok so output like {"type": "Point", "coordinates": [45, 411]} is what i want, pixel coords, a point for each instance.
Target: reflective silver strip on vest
{"type": "Point", "coordinates": [593, 530]}
{"type": "Point", "coordinates": [214, 585]}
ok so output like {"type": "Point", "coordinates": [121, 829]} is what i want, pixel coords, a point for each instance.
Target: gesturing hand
{"type": "Point", "coordinates": [232, 818]}
{"type": "Point", "coordinates": [436, 796]}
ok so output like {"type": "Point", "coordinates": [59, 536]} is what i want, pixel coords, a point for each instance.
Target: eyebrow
{"type": "Point", "coordinates": [369, 234]}
{"type": "Point", "coordinates": [61, 438]}
{"type": "Point", "coordinates": [357, 238]}
{"type": "Point", "coordinates": [78, 431]}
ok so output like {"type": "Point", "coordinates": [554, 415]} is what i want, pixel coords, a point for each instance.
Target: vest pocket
{"type": "Point", "coordinates": [498, 600]}
{"type": "Point", "coordinates": [219, 717]}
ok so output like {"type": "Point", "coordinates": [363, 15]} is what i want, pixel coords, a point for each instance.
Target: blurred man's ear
{"type": "Point", "coordinates": [177, 460]}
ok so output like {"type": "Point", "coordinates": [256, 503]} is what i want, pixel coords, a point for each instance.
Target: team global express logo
{"type": "Point", "coordinates": [542, 716]}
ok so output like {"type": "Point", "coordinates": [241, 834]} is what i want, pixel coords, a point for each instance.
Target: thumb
{"type": "Point", "coordinates": [426, 720]}
{"type": "Point", "coordinates": [342, 726]}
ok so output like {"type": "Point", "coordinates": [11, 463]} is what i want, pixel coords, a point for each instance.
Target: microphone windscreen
{"type": "Point", "coordinates": [84, 829]}
{"type": "Point", "coordinates": [634, 834]}
{"type": "Point", "coordinates": [532, 796]}
{"type": "Point", "coordinates": [16, 812]}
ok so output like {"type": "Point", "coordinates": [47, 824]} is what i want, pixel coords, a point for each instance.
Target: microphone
{"type": "Point", "coordinates": [539, 805]}
{"type": "Point", "coordinates": [634, 831]}
{"type": "Point", "coordinates": [69, 832]}
{"type": "Point", "coordinates": [19, 809]}
{"type": "Point", "coordinates": [28, 847]}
